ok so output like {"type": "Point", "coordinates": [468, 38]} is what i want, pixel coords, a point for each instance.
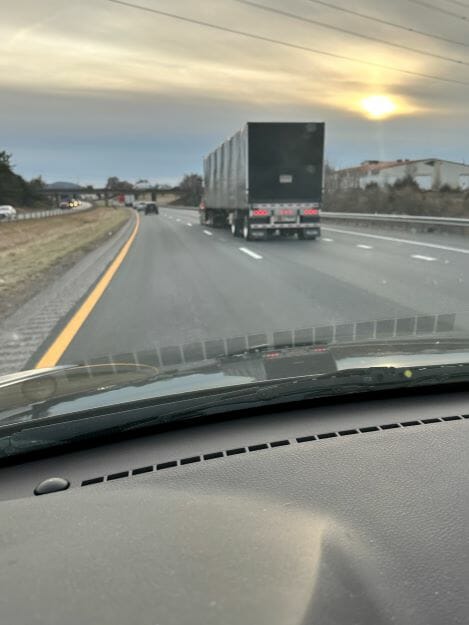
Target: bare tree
{"type": "Point", "coordinates": [191, 187]}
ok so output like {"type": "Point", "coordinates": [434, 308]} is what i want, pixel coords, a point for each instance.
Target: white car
{"type": "Point", "coordinates": [7, 211]}
{"type": "Point", "coordinates": [140, 206]}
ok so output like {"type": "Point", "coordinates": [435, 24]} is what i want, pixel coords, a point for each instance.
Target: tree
{"type": "Point", "coordinates": [191, 187]}
{"type": "Point", "coordinates": [407, 182]}
{"type": "Point", "coordinates": [5, 160]}
{"type": "Point", "coordinates": [114, 184]}
{"type": "Point", "coordinates": [16, 190]}
{"type": "Point", "coordinates": [33, 194]}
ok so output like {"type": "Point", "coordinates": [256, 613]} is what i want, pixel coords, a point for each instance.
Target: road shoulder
{"type": "Point", "coordinates": [23, 335]}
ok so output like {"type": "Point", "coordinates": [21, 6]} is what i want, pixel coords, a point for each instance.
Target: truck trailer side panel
{"type": "Point", "coordinates": [226, 173]}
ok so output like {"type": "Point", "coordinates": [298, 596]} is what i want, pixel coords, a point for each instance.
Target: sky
{"type": "Point", "coordinates": [91, 89]}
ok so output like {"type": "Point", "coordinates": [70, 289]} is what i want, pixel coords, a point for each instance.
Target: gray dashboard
{"type": "Point", "coordinates": [352, 513]}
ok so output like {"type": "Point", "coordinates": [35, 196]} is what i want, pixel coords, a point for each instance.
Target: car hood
{"type": "Point", "coordinates": [74, 388]}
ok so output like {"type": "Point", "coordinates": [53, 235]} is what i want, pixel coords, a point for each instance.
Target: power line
{"type": "Point", "coordinates": [459, 3]}
{"type": "Point", "coordinates": [379, 20]}
{"type": "Point", "coordinates": [287, 44]}
{"type": "Point", "coordinates": [345, 31]}
{"type": "Point", "coordinates": [428, 5]}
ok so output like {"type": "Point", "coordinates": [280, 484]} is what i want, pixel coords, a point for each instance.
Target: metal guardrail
{"type": "Point", "coordinates": [427, 220]}
{"type": "Point", "coordinates": [45, 213]}
{"type": "Point", "coordinates": [399, 219]}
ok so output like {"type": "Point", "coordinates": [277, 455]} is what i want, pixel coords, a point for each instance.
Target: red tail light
{"type": "Point", "coordinates": [260, 212]}
{"type": "Point", "coordinates": [311, 211]}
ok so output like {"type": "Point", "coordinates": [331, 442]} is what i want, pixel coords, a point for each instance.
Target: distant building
{"type": "Point", "coordinates": [429, 174]}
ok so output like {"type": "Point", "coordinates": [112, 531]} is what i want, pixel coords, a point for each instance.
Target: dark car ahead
{"type": "Point", "coordinates": [151, 208]}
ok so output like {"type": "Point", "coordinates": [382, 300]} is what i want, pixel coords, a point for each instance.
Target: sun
{"type": "Point", "coordinates": [378, 106]}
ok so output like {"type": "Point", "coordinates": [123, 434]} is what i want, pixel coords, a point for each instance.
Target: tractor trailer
{"type": "Point", "coordinates": [266, 181]}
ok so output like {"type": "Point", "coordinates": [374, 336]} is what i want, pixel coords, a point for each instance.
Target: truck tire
{"type": "Point", "coordinates": [246, 231]}
{"type": "Point", "coordinates": [236, 228]}
{"type": "Point", "coordinates": [302, 236]}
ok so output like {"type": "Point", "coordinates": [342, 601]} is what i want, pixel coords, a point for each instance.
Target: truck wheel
{"type": "Point", "coordinates": [246, 231]}
{"type": "Point", "coordinates": [236, 229]}
{"type": "Point", "coordinates": [302, 236]}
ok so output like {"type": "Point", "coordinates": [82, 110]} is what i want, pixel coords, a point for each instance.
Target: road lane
{"type": "Point", "coordinates": [179, 284]}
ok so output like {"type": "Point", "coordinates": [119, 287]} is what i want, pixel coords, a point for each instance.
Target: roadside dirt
{"type": "Point", "coordinates": [33, 253]}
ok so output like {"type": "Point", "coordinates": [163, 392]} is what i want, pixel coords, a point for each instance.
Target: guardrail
{"type": "Point", "coordinates": [46, 213]}
{"type": "Point", "coordinates": [421, 220]}
{"type": "Point", "coordinates": [380, 217]}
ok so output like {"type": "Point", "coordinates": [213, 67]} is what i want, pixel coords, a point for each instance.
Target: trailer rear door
{"type": "Point", "coordinates": [285, 162]}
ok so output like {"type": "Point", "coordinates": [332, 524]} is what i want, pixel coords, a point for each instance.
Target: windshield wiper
{"type": "Point", "coordinates": [65, 429]}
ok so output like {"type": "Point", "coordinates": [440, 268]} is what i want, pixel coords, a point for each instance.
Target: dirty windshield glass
{"type": "Point", "coordinates": [202, 195]}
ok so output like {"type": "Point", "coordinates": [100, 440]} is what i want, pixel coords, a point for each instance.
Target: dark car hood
{"type": "Point", "coordinates": [68, 389]}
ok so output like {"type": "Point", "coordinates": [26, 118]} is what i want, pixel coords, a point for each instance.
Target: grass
{"type": "Point", "coordinates": [34, 252]}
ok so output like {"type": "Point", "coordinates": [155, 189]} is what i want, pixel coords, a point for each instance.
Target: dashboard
{"type": "Point", "coordinates": [353, 511]}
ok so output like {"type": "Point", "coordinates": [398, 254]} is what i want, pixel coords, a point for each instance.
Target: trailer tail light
{"type": "Point", "coordinates": [311, 211]}
{"type": "Point", "coordinates": [260, 212]}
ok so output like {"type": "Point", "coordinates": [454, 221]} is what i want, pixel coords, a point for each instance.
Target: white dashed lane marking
{"type": "Point", "coordinates": [326, 240]}
{"type": "Point", "coordinates": [250, 253]}
{"type": "Point", "coordinates": [435, 246]}
{"type": "Point", "coordinates": [208, 233]}
{"type": "Point", "coordinates": [365, 247]}
{"type": "Point", "coordinates": [419, 257]}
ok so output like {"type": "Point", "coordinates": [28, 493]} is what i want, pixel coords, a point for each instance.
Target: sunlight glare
{"type": "Point", "coordinates": [378, 106]}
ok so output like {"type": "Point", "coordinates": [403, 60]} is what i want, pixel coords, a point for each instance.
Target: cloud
{"type": "Point", "coordinates": [108, 80]}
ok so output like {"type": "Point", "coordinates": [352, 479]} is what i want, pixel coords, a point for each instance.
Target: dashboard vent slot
{"type": "Point", "coordinates": [235, 452]}
{"type": "Point", "coordinates": [214, 456]}
{"type": "Point", "coordinates": [258, 447]}
{"type": "Point", "coordinates": [142, 470]}
{"type": "Point", "coordinates": [270, 446]}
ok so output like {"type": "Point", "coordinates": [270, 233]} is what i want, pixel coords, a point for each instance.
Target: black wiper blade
{"type": "Point", "coordinates": [66, 429]}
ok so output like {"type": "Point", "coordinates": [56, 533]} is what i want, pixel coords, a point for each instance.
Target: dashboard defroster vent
{"type": "Point", "coordinates": [318, 437]}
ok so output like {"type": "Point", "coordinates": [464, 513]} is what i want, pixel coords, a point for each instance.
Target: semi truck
{"type": "Point", "coordinates": [265, 181]}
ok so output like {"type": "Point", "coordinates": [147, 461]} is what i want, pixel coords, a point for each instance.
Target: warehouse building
{"type": "Point", "coordinates": [429, 174]}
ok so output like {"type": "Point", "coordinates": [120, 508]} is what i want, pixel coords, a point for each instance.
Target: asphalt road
{"type": "Point", "coordinates": [181, 283]}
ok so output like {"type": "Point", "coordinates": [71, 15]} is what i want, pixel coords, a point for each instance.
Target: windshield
{"type": "Point", "coordinates": [204, 197]}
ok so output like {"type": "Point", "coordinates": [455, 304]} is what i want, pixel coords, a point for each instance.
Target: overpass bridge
{"type": "Point", "coordinates": [152, 194]}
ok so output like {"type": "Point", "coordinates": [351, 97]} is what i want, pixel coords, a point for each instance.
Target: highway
{"type": "Point", "coordinates": [181, 283]}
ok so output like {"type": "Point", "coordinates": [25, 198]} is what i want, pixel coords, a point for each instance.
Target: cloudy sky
{"type": "Point", "coordinates": [91, 88]}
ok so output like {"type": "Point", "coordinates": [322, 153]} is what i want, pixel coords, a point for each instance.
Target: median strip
{"type": "Point", "coordinates": [34, 253]}
{"type": "Point", "coordinates": [62, 342]}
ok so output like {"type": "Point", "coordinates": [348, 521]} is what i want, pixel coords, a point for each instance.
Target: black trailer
{"type": "Point", "coordinates": [266, 180]}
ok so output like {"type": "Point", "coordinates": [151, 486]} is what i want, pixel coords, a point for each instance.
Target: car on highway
{"type": "Point", "coordinates": [151, 208]}
{"type": "Point", "coordinates": [7, 211]}
{"type": "Point", "coordinates": [140, 206]}
{"type": "Point", "coordinates": [65, 205]}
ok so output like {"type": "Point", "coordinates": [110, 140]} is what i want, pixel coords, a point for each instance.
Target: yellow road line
{"type": "Point", "coordinates": [61, 343]}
